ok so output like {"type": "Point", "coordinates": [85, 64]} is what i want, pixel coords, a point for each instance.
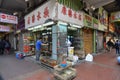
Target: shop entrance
{"type": "Point", "coordinates": [74, 35]}
{"type": "Point", "coordinates": [88, 40]}
{"type": "Point", "coordinates": [46, 50]}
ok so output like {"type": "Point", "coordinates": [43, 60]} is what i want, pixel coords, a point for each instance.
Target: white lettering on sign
{"type": "Point", "coordinates": [8, 18]}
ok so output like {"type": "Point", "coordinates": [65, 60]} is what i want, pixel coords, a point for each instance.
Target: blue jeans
{"type": "Point", "coordinates": [38, 55]}
{"type": "Point", "coordinates": [117, 51]}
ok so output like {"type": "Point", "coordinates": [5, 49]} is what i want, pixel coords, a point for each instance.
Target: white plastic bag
{"type": "Point", "coordinates": [89, 57]}
{"type": "Point", "coordinates": [75, 58]}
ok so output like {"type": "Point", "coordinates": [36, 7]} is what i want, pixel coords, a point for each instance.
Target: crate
{"type": "Point", "coordinates": [67, 73]}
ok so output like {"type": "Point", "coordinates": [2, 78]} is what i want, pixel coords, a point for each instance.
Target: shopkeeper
{"type": "Point", "coordinates": [38, 48]}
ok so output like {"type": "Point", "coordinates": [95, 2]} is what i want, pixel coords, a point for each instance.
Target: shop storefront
{"type": "Point", "coordinates": [98, 36]}
{"type": "Point", "coordinates": [88, 34]}
{"type": "Point", "coordinates": [101, 30]}
{"type": "Point", "coordinates": [58, 26]}
{"type": "Point", "coordinates": [99, 40]}
{"type": "Point", "coordinates": [8, 29]}
{"type": "Point", "coordinates": [6, 32]}
{"type": "Point", "coordinates": [114, 24]}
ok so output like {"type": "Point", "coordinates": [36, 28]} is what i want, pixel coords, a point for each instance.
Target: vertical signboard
{"type": "Point", "coordinates": [21, 24]}
{"type": "Point", "coordinates": [111, 27]}
{"type": "Point", "coordinates": [95, 23]}
{"type": "Point", "coordinates": [103, 18]}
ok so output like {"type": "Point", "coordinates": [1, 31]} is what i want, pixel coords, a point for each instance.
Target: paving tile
{"type": "Point", "coordinates": [103, 67]}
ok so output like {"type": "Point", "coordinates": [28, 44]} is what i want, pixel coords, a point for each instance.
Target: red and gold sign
{"type": "Point", "coordinates": [111, 27]}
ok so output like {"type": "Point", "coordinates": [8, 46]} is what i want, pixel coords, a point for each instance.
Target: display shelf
{"type": "Point", "coordinates": [49, 62]}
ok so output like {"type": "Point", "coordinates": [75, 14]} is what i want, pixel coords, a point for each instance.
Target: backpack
{"type": "Point", "coordinates": [116, 45]}
{"type": "Point", "coordinates": [6, 44]}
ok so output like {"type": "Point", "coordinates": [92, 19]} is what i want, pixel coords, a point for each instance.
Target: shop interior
{"type": "Point", "coordinates": [74, 37]}
{"type": "Point", "coordinates": [64, 33]}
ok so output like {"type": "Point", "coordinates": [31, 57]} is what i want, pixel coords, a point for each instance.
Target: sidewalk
{"type": "Point", "coordinates": [104, 67]}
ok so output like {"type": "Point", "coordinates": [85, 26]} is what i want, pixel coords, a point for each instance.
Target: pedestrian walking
{"type": "Point", "coordinates": [7, 47]}
{"type": "Point", "coordinates": [2, 46]}
{"type": "Point", "coordinates": [110, 45]}
{"type": "Point", "coordinates": [117, 47]}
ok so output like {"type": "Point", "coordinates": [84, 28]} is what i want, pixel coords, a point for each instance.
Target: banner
{"type": "Point", "coordinates": [8, 18]}
{"type": "Point", "coordinates": [111, 27]}
{"type": "Point", "coordinates": [4, 28]}
{"type": "Point", "coordinates": [103, 16]}
{"type": "Point", "coordinates": [115, 17]}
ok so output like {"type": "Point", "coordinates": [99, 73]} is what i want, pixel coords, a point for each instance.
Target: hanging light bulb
{"type": "Point", "coordinates": [26, 0]}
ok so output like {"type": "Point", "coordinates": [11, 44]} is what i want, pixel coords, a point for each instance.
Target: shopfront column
{"type": "Point", "coordinates": [54, 42]}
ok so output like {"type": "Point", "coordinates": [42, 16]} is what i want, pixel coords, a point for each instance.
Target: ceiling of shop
{"type": "Point", "coordinates": [10, 6]}
{"type": "Point", "coordinates": [19, 6]}
{"type": "Point", "coordinates": [23, 7]}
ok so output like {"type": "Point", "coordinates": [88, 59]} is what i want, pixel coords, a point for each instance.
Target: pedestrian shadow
{"type": "Point", "coordinates": [1, 78]}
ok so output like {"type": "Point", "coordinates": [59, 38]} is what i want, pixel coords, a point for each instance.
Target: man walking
{"type": "Point", "coordinates": [117, 47]}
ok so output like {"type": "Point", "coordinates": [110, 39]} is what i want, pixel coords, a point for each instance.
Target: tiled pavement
{"type": "Point", "coordinates": [104, 67]}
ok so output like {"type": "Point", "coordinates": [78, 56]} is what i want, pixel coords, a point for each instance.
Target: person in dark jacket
{"type": "Point", "coordinates": [2, 46]}
{"type": "Point", "coordinates": [110, 45]}
{"type": "Point", "coordinates": [7, 46]}
{"type": "Point", "coordinates": [117, 47]}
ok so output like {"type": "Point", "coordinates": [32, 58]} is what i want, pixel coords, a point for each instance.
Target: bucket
{"type": "Point", "coordinates": [70, 50]}
{"type": "Point", "coordinates": [20, 55]}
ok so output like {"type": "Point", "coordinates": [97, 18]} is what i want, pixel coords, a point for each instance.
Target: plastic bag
{"type": "Point", "coordinates": [89, 57]}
